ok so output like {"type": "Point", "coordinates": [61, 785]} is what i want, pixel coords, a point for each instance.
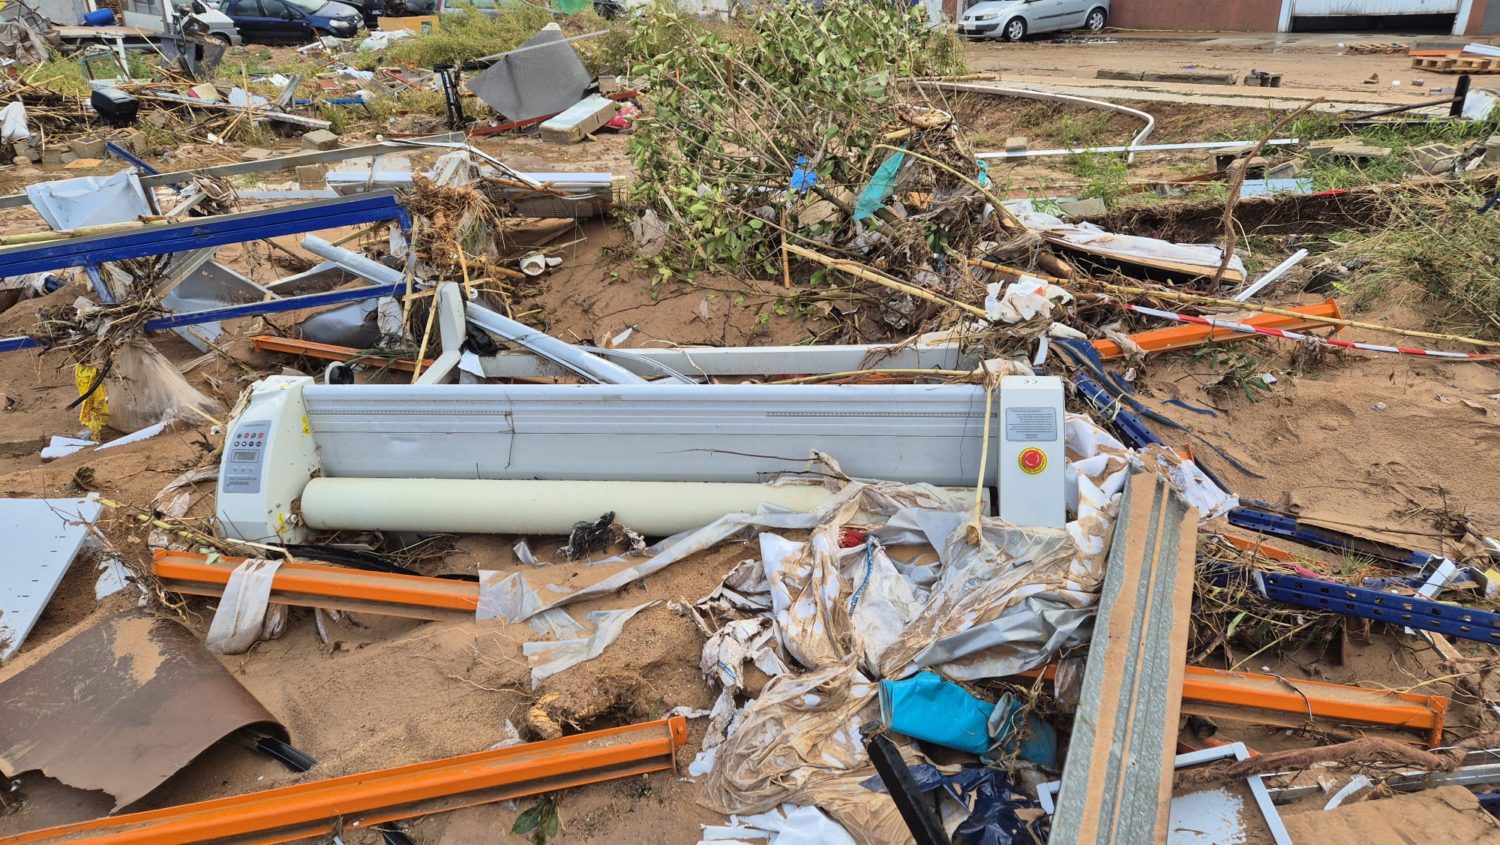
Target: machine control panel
{"type": "Point", "coordinates": [244, 458]}
{"type": "Point", "coordinates": [1032, 451]}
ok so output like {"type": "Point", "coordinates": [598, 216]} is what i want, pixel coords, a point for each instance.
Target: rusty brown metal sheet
{"type": "Point", "coordinates": [119, 706]}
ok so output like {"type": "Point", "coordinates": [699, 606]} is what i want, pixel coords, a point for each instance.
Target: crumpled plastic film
{"type": "Point", "coordinates": [600, 629]}
{"type": "Point", "coordinates": [812, 623]}
{"type": "Point", "coordinates": [1200, 491]}
{"type": "Point", "coordinates": [801, 730]}
{"type": "Point", "coordinates": [145, 389]}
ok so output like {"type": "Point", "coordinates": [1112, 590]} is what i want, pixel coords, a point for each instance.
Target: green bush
{"type": "Point", "coordinates": [733, 105]}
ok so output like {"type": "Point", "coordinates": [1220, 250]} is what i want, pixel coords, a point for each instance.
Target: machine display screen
{"type": "Point", "coordinates": [244, 455]}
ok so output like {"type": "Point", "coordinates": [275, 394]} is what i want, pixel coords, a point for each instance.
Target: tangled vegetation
{"type": "Point", "coordinates": [734, 106]}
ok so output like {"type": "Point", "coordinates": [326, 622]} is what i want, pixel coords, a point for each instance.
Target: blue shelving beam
{"type": "Point", "coordinates": [1422, 614]}
{"type": "Point", "coordinates": [203, 232]}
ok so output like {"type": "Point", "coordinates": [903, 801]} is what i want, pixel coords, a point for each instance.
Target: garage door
{"type": "Point", "coordinates": [1317, 8]}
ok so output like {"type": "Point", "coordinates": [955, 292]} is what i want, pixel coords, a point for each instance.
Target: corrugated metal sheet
{"type": "Point", "coordinates": [1329, 8]}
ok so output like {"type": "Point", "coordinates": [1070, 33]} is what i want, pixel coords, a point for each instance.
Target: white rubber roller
{"type": "Point", "coordinates": [481, 506]}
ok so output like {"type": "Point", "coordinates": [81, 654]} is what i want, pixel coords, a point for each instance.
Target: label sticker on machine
{"type": "Point", "coordinates": [247, 452]}
{"type": "Point", "coordinates": [1031, 425]}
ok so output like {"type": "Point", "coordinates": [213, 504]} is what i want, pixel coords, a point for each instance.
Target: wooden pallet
{"type": "Point", "coordinates": [1457, 64]}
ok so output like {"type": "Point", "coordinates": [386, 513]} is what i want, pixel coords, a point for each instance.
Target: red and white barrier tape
{"type": "Point", "coordinates": [1325, 341]}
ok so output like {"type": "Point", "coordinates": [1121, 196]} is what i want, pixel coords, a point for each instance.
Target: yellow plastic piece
{"type": "Point", "coordinates": [94, 412]}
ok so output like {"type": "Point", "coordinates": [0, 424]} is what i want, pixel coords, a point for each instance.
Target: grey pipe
{"type": "Point", "coordinates": [538, 343]}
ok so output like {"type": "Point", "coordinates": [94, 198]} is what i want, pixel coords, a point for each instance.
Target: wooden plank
{"type": "Point", "coordinates": [579, 121]}
{"type": "Point", "coordinates": [1117, 780]}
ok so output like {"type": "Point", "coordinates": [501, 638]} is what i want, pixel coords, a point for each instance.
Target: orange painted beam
{"type": "Point", "coordinates": [325, 585]}
{"type": "Point", "coordinates": [1249, 691]}
{"type": "Point", "coordinates": [1185, 336]}
{"type": "Point", "coordinates": [1257, 547]}
{"type": "Point", "coordinates": [1315, 699]}
{"type": "Point", "coordinates": [360, 800]}
{"type": "Point", "coordinates": [327, 352]}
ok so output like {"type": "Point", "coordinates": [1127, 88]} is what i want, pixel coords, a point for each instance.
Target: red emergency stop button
{"type": "Point", "coordinates": [1032, 460]}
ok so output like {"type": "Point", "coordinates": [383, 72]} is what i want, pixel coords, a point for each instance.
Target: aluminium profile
{"type": "Point", "coordinates": [325, 807]}
{"type": "Point", "coordinates": [1117, 780]}
{"type": "Point", "coordinates": [695, 362]}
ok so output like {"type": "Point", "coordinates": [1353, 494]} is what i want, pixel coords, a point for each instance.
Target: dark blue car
{"type": "Point", "coordinates": [291, 21]}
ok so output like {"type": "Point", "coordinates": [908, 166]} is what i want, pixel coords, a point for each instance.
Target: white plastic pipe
{"type": "Point", "coordinates": [487, 506]}
{"type": "Point", "coordinates": [1140, 137]}
{"type": "Point", "coordinates": [1275, 273]}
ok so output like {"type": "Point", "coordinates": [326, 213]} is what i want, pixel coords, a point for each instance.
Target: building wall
{"type": "Point", "coordinates": [1484, 18]}
{"type": "Point", "coordinates": [1224, 15]}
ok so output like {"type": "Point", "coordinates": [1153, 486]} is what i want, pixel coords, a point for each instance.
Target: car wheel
{"type": "Point", "coordinates": [222, 39]}
{"type": "Point", "coordinates": [1096, 20]}
{"type": "Point", "coordinates": [1015, 29]}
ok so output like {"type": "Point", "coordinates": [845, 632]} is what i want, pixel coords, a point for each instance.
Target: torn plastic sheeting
{"type": "Point", "coordinates": [1010, 602]}
{"type": "Point", "coordinates": [1023, 299]}
{"type": "Point", "coordinates": [144, 389]}
{"type": "Point", "coordinates": [513, 596]}
{"type": "Point", "coordinates": [13, 123]}
{"type": "Point", "coordinates": [542, 77]}
{"type": "Point", "coordinates": [874, 195]}
{"type": "Point", "coordinates": [90, 200]}
{"type": "Point", "coordinates": [812, 623]}
{"type": "Point", "coordinates": [1091, 238]}
{"type": "Point", "coordinates": [788, 825]}
{"type": "Point", "coordinates": [603, 627]}
{"type": "Point", "coordinates": [883, 599]}
{"type": "Point", "coordinates": [801, 730]}
{"type": "Point", "coordinates": [245, 611]}
{"type": "Point", "coordinates": [1200, 491]}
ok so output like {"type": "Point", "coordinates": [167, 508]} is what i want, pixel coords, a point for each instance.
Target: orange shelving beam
{"type": "Point", "coordinates": [325, 585]}
{"type": "Point", "coordinates": [1183, 337]}
{"type": "Point", "coordinates": [1293, 701]}
{"type": "Point", "coordinates": [357, 801]}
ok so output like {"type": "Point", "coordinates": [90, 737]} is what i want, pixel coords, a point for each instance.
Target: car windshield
{"type": "Point", "coordinates": [307, 6]}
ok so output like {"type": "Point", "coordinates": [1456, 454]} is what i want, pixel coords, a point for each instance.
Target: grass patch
{"type": "Point", "coordinates": [64, 76]}
{"type": "Point", "coordinates": [467, 34]}
{"type": "Point", "coordinates": [1436, 243]}
{"type": "Point", "coordinates": [1105, 176]}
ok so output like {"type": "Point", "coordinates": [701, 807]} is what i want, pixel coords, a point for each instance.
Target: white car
{"type": "Point", "coordinates": [1015, 19]}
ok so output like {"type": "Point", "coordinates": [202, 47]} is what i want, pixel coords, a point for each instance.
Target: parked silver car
{"type": "Point", "coordinates": [1015, 19]}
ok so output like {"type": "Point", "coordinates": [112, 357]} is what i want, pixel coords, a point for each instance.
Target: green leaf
{"type": "Point", "coordinates": [1234, 623]}
{"type": "Point", "coordinates": [529, 820]}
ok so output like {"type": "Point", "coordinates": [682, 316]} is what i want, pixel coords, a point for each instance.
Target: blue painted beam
{"type": "Point", "coordinates": [249, 309]}
{"type": "Point", "coordinates": [1448, 619]}
{"type": "Point", "coordinates": [202, 232]}
{"type": "Point", "coordinates": [1289, 528]}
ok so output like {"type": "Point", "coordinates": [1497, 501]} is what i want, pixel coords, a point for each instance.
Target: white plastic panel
{"type": "Point", "coordinates": [41, 538]}
{"type": "Point", "coordinates": [648, 432]}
